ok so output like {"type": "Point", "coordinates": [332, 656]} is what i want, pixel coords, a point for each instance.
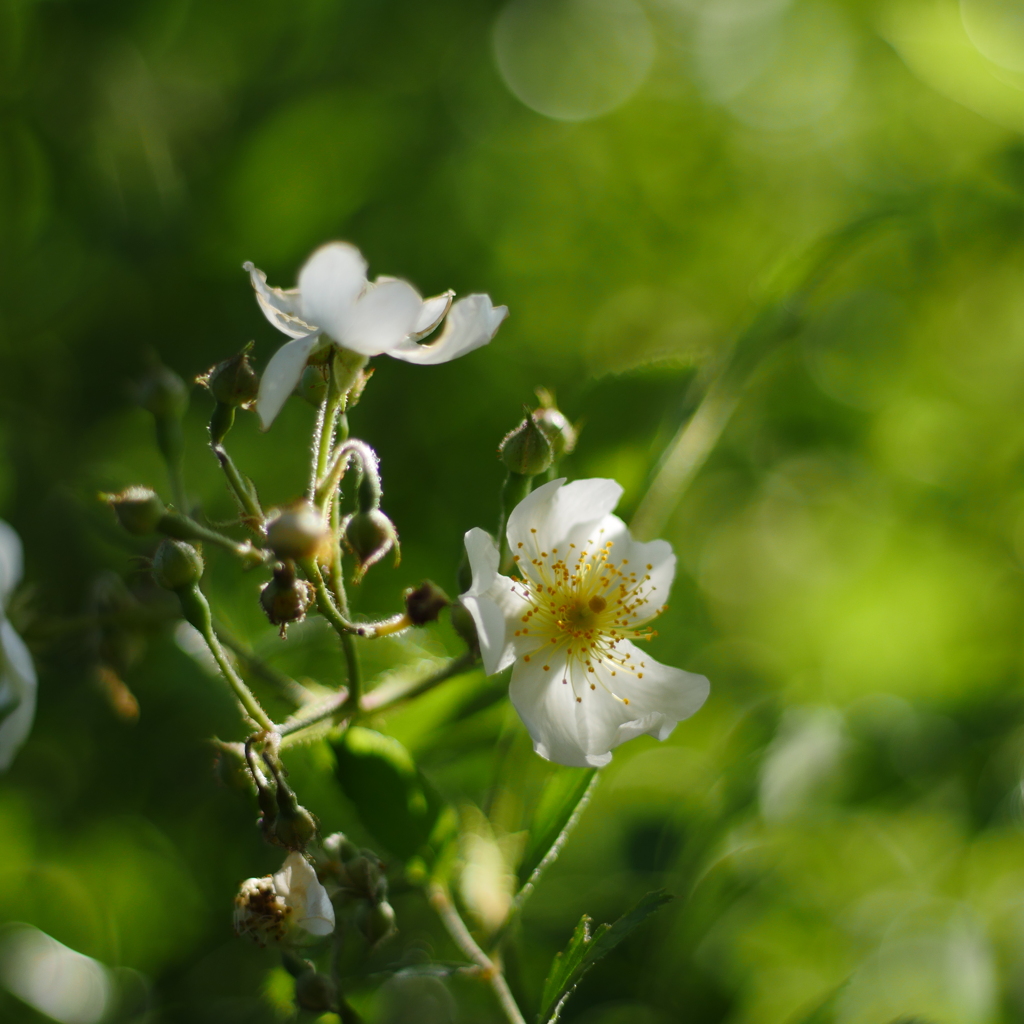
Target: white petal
{"type": "Point", "coordinates": [281, 308]}
{"type": "Point", "coordinates": [637, 556]}
{"type": "Point", "coordinates": [17, 683]}
{"type": "Point", "coordinates": [296, 883]}
{"type": "Point", "coordinates": [281, 375]}
{"type": "Point", "coordinates": [554, 514]}
{"type": "Point", "coordinates": [432, 313]}
{"type": "Point", "coordinates": [472, 322]}
{"type": "Point", "coordinates": [330, 282]}
{"type": "Point", "coordinates": [548, 709]}
{"type": "Point", "coordinates": [381, 319]}
{"type": "Point", "coordinates": [492, 602]}
{"type": "Point", "coordinates": [11, 562]}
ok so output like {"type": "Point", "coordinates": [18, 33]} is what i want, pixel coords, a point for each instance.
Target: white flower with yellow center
{"type": "Point", "coordinates": [17, 673]}
{"type": "Point", "coordinates": [267, 909]}
{"type": "Point", "coordinates": [585, 591]}
{"type": "Point", "coordinates": [334, 302]}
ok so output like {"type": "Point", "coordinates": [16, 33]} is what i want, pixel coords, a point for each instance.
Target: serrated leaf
{"type": "Point", "coordinates": [394, 801]}
{"type": "Point", "coordinates": [561, 797]}
{"type": "Point", "coordinates": [588, 946]}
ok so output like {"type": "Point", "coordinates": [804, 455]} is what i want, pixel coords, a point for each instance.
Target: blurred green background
{"type": "Point", "coordinates": [636, 180]}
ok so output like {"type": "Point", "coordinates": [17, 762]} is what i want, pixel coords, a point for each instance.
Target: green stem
{"type": "Point", "coordinates": [197, 610]}
{"type": "Point", "coordinates": [243, 492]}
{"type": "Point", "coordinates": [286, 687]}
{"type": "Point", "coordinates": [388, 695]}
{"type": "Point", "coordinates": [515, 488]}
{"type": "Point", "coordinates": [172, 446]}
{"type": "Point", "coordinates": [441, 901]}
{"type": "Point", "coordinates": [182, 527]}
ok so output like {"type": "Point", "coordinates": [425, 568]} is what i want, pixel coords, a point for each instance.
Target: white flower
{"type": "Point", "coordinates": [17, 673]}
{"type": "Point", "coordinates": [585, 591]}
{"type": "Point", "coordinates": [268, 908]}
{"type": "Point", "coordinates": [334, 300]}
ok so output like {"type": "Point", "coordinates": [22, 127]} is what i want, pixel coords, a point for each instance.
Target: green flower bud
{"type": "Point", "coordinates": [163, 393]}
{"type": "Point", "coordinates": [233, 382]}
{"type": "Point", "coordinates": [138, 509]}
{"type": "Point", "coordinates": [364, 877]}
{"type": "Point", "coordinates": [297, 531]}
{"type": "Point", "coordinates": [340, 848]}
{"type": "Point", "coordinates": [559, 431]}
{"type": "Point", "coordinates": [370, 536]}
{"type": "Point", "coordinates": [313, 385]}
{"type": "Point", "coordinates": [315, 992]}
{"type": "Point", "coordinates": [425, 603]}
{"type": "Point", "coordinates": [375, 921]}
{"type": "Point", "coordinates": [463, 624]}
{"type": "Point", "coordinates": [177, 565]}
{"type": "Point", "coordinates": [526, 450]}
{"type": "Point", "coordinates": [294, 829]}
{"type": "Point", "coordinates": [286, 598]}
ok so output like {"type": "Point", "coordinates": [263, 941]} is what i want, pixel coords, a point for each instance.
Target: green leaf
{"type": "Point", "coordinates": [394, 801]}
{"type": "Point", "coordinates": [562, 795]}
{"type": "Point", "coordinates": [586, 948]}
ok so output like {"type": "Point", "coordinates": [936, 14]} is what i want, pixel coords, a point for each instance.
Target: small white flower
{"type": "Point", "coordinates": [17, 673]}
{"type": "Point", "coordinates": [268, 908]}
{"type": "Point", "coordinates": [585, 591]}
{"type": "Point", "coordinates": [335, 301]}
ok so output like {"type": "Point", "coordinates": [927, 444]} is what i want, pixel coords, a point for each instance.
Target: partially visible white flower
{"type": "Point", "coordinates": [268, 908]}
{"type": "Point", "coordinates": [585, 591]}
{"type": "Point", "coordinates": [335, 301]}
{"type": "Point", "coordinates": [17, 673]}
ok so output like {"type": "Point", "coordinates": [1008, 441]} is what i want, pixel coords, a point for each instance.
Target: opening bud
{"type": "Point", "coordinates": [526, 450]}
{"type": "Point", "coordinates": [233, 382]}
{"type": "Point", "coordinates": [561, 434]}
{"type": "Point", "coordinates": [297, 531]}
{"type": "Point", "coordinates": [138, 509]}
{"type": "Point", "coordinates": [425, 603]}
{"type": "Point", "coordinates": [177, 565]}
{"type": "Point", "coordinates": [286, 598]}
{"type": "Point", "coordinates": [375, 921]}
{"type": "Point", "coordinates": [370, 536]}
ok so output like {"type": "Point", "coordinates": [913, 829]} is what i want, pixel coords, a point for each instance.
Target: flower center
{"type": "Point", "coordinates": [582, 605]}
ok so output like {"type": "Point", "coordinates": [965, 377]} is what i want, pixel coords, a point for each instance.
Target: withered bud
{"type": "Point", "coordinates": [425, 603]}
{"type": "Point", "coordinates": [286, 598]}
{"type": "Point", "coordinates": [297, 530]}
{"type": "Point", "coordinates": [138, 509]}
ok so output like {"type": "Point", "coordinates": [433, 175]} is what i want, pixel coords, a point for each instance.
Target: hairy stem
{"type": "Point", "coordinates": [441, 901]}
{"type": "Point", "coordinates": [243, 493]}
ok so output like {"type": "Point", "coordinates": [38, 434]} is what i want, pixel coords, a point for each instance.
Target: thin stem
{"type": "Point", "coordinates": [314, 714]}
{"type": "Point", "coordinates": [243, 493]}
{"type": "Point", "coordinates": [246, 698]}
{"type": "Point", "coordinates": [182, 527]}
{"type": "Point", "coordinates": [342, 626]}
{"type": "Point", "coordinates": [388, 695]}
{"type": "Point", "coordinates": [441, 901]}
{"type": "Point", "coordinates": [172, 446]}
{"type": "Point", "coordinates": [285, 686]}
{"type": "Point", "coordinates": [515, 488]}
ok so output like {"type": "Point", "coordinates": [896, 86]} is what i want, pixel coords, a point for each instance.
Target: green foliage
{"type": "Point", "coordinates": [586, 947]}
{"type": "Point", "coordinates": [398, 806]}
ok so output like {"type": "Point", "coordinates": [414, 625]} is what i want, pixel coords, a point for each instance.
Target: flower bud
{"type": "Point", "coordinates": [286, 598]}
{"type": "Point", "coordinates": [425, 603]}
{"type": "Point", "coordinates": [138, 509]}
{"type": "Point", "coordinates": [463, 624]}
{"type": "Point", "coordinates": [526, 450]}
{"type": "Point", "coordinates": [233, 382]}
{"type": "Point", "coordinates": [163, 393]}
{"type": "Point", "coordinates": [370, 536]}
{"type": "Point", "coordinates": [297, 530]}
{"type": "Point", "coordinates": [559, 431]}
{"type": "Point", "coordinates": [364, 877]}
{"type": "Point", "coordinates": [340, 848]}
{"type": "Point", "coordinates": [294, 829]}
{"type": "Point", "coordinates": [376, 921]}
{"type": "Point", "coordinates": [315, 992]}
{"type": "Point", "coordinates": [177, 565]}
{"type": "Point", "coordinates": [313, 385]}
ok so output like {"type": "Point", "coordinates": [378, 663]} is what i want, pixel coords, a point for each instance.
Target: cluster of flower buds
{"type": "Point", "coordinates": [356, 877]}
{"type": "Point", "coordinates": [369, 534]}
{"type": "Point", "coordinates": [234, 384]}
